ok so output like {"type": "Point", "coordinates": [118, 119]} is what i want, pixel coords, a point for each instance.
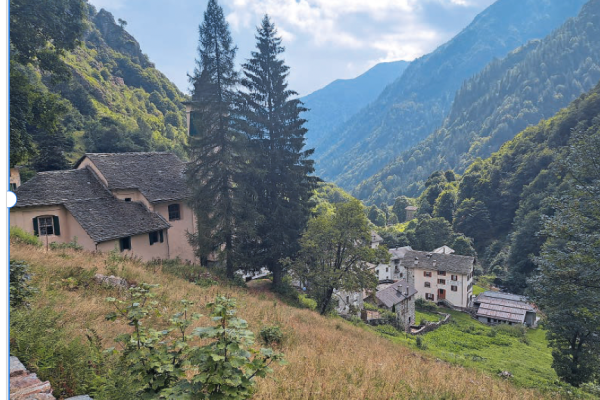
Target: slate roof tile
{"type": "Point", "coordinates": [438, 262]}
{"type": "Point", "coordinates": [107, 219]}
{"type": "Point", "coordinates": [159, 176]}
{"type": "Point", "coordinates": [56, 187]}
{"type": "Point", "coordinates": [395, 293]}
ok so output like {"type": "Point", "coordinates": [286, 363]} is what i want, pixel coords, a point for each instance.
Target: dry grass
{"type": "Point", "coordinates": [328, 357]}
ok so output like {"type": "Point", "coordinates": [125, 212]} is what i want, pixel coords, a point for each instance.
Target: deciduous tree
{"type": "Point", "coordinates": [335, 250]}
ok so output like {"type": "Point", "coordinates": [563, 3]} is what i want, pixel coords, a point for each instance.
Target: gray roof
{"type": "Point", "coordinates": [58, 187]}
{"type": "Point", "coordinates": [444, 250]}
{"type": "Point", "coordinates": [438, 262]}
{"type": "Point", "coordinates": [399, 252]}
{"type": "Point", "coordinates": [503, 306]}
{"type": "Point", "coordinates": [375, 237]}
{"type": "Point", "coordinates": [100, 214]}
{"type": "Point", "coordinates": [159, 176]}
{"type": "Point", "coordinates": [109, 218]}
{"type": "Point", "coordinates": [395, 293]}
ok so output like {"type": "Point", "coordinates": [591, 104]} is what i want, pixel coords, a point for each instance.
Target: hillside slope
{"type": "Point", "coordinates": [337, 102]}
{"type": "Point", "coordinates": [114, 99]}
{"type": "Point", "coordinates": [514, 185]}
{"type": "Point", "coordinates": [414, 105]}
{"type": "Point", "coordinates": [531, 83]}
{"type": "Point", "coordinates": [328, 357]}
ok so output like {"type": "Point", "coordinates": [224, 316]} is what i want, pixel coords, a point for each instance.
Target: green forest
{"type": "Point", "coordinates": [91, 91]}
{"type": "Point", "coordinates": [531, 83]}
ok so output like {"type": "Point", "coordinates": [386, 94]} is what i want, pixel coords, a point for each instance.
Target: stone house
{"type": "Point", "coordinates": [411, 212]}
{"type": "Point", "coordinates": [394, 270]}
{"type": "Point", "coordinates": [399, 297]}
{"type": "Point", "coordinates": [132, 202]}
{"type": "Point", "coordinates": [348, 301]}
{"type": "Point", "coordinates": [445, 278]}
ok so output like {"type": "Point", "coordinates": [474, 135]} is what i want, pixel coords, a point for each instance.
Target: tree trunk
{"type": "Point", "coordinates": [230, 273]}
{"type": "Point", "coordinates": [326, 300]}
{"type": "Point", "coordinates": [277, 274]}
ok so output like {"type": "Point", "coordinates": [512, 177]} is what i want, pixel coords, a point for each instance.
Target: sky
{"type": "Point", "coordinates": [325, 40]}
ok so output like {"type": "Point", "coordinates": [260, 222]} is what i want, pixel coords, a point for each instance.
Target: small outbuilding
{"type": "Point", "coordinates": [504, 308]}
{"type": "Point", "coordinates": [399, 297]}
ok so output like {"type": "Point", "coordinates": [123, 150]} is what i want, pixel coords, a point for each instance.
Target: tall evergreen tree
{"type": "Point", "coordinates": [217, 149]}
{"type": "Point", "coordinates": [283, 184]}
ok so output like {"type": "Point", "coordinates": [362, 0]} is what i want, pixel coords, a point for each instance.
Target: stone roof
{"type": "Point", "coordinates": [438, 262]}
{"type": "Point", "coordinates": [444, 250]}
{"type": "Point", "coordinates": [159, 176]}
{"type": "Point", "coordinates": [58, 187]}
{"type": "Point", "coordinates": [399, 252]}
{"type": "Point", "coordinates": [395, 293]}
{"type": "Point", "coordinates": [100, 214]}
{"type": "Point", "coordinates": [504, 306]}
{"type": "Point", "coordinates": [109, 218]}
{"type": "Point", "coordinates": [375, 238]}
{"type": "Point", "coordinates": [411, 208]}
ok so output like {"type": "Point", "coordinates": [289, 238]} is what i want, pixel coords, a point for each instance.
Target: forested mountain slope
{"type": "Point", "coordinates": [502, 199]}
{"type": "Point", "coordinates": [111, 98]}
{"type": "Point", "coordinates": [337, 102]}
{"type": "Point", "coordinates": [414, 105]}
{"type": "Point", "coordinates": [531, 83]}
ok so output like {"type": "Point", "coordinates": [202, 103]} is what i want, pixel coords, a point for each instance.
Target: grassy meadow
{"type": "Point", "coordinates": [329, 358]}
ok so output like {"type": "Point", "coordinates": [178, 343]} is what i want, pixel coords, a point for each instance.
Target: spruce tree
{"type": "Point", "coordinates": [217, 149]}
{"type": "Point", "coordinates": [281, 168]}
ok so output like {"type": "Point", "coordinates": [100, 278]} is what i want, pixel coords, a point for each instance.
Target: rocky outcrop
{"type": "Point", "coordinates": [27, 386]}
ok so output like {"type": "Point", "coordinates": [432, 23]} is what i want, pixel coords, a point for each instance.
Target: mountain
{"type": "Point", "coordinates": [414, 105]}
{"type": "Point", "coordinates": [337, 102]}
{"type": "Point", "coordinates": [530, 84]}
{"type": "Point", "coordinates": [112, 99]}
{"type": "Point", "coordinates": [512, 187]}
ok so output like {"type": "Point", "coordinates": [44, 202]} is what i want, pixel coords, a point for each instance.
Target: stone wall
{"type": "Point", "coordinates": [27, 386]}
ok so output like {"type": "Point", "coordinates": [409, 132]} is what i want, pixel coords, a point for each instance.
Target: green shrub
{"type": "Point", "coordinates": [387, 329]}
{"type": "Point", "coordinates": [307, 302]}
{"type": "Point", "coordinates": [370, 306]}
{"type": "Point", "coordinates": [421, 343]}
{"type": "Point", "coordinates": [20, 236]}
{"type": "Point", "coordinates": [270, 335]}
{"type": "Point", "coordinates": [161, 359]}
{"type": "Point", "coordinates": [69, 245]}
{"type": "Point", "coordinates": [20, 290]}
{"type": "Point", "coordinates": [425, 305]}
{"type": "Point", "coordinates": [73, 278]}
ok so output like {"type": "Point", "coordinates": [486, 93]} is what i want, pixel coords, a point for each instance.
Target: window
{"type": "Point", "coordinates": [46, 226]}
{"type": "Point", "coordinates": [429, 296]}
{"type": "Point", "coordinates": [174, 212]}
{"type": "Point", "coordinates": [442, 273]}
{"type": "Point", "coordinates": [13, 187]}
{"type": "Point", "coordinates": [454, 277]}
{"type": "Point", "coordinates": [454, 288]}
{"type": "Point", "coordinates": [427, 284]}
{"type": "Point", "coordinates": [125, 243]}
{"type": "Point", "coordinates": [427, 274]}
{"type": "Point", "coordinates": [127, 198]}
{"type": "Point", "coordinates": [156, 236]}
{"type": "Point", "coordinates": [442, 281]}
{"type": "Point", "coordinates": [386, 269]}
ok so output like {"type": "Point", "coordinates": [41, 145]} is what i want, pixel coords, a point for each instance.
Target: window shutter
{"type": "Point", "coordinates": [151, 237]}
{"type": "Point", "coordinates": [56, 225]}
{"type": "Point", "coordinates": [162, 239]}
{"type": "Point", "coordinates": [36, 231]}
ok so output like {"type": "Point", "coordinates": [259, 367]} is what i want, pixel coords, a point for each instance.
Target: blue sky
{"type": "Point", "coordinates": [324, 39]}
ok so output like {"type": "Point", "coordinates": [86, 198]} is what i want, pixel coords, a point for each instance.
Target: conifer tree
{"type": "Point", "coordinates": [281, 168]}
{"type": "Point", "coordinates": [217, 150]}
